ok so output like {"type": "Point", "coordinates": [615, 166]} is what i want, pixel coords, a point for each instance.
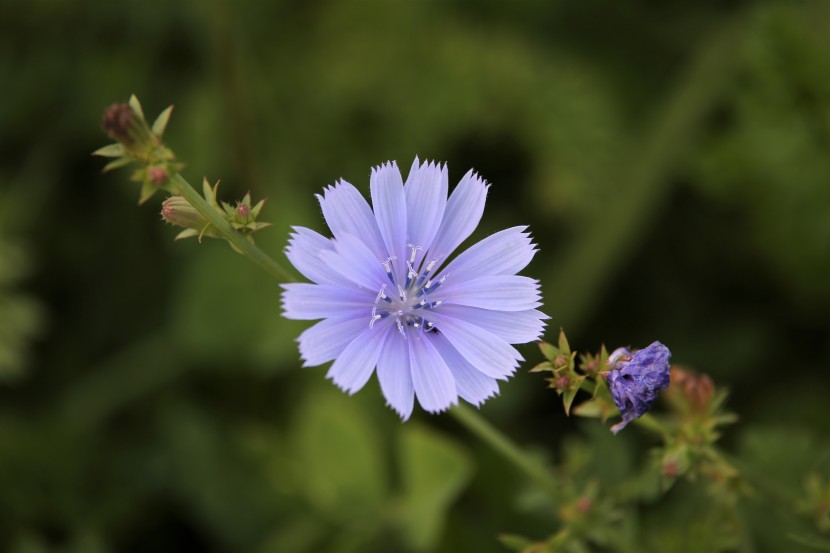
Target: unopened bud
{"type": "Point", "coordinates": [243, 211]}
{"type": "Point", "coordinates": [178, 211]}
{"type": "Point", "coordinates": [158, 175]}
{"type": "Point", "coordinates": [696, 389]}
{"type": "Point", "coordinates": [584, 505]}
{"type": "Point", "coordinates": [562, 382]}
{"type": "Point", "coordinates": [118, 118]}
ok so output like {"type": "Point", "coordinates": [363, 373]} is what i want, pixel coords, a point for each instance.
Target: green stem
{"type": "Point", "coordinates": [242, 244]}
{"type": "Point", "coordinates": [509, 450]}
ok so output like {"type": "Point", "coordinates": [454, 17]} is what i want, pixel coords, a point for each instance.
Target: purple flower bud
{"type": "Point", "coordinates": [636, 380]}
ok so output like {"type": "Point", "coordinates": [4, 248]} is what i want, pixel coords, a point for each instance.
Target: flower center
{"type": "Point", "coordinates": [409, 298]}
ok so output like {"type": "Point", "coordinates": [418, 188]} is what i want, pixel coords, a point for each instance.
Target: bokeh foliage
{"type": "Point", "coordinates": [671, 159]}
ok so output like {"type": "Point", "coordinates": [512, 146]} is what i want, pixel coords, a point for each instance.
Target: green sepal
{"type": "Point", "coordinates": [549, 351]}
{"type": "Point", "coordinates": [116, 164]}
{"type": "Point", "coordinates": [136, 106]}
{"type": "Point", "coordinates": [160, 124]}
{"type": "Point", "coordinates": [256, 209]}
{"type": "Point", "coordinates": [147, 191]}
{"type": "Point", "coordinates": [187, 233]}
{"type": "Point", "coordinates": [564, 348]}
{"type": "Point", "coordinates": [569, 394]}
{"type": "Point", "coordinates": [542, 367]}
{"type": "Point", "coordinates": [110, 150]}
{"type": "Point", "coordinates": [595, 408]}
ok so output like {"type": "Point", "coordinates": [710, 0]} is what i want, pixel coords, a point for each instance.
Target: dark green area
{"type": "Point", "coordinates": [672, 160]}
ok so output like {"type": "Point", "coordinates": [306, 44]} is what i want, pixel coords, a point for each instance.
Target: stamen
{"type": "Point", "coordinates": [414, 249]}
{"type": "Point", "coordinates": [387, 265]}
{"type": "Point", "coordinates": [375, 317]}
{"type": "Point", "coordinates": [381, 295]}
{"type": "Point", "coordinates": [400, 327]}
{"type": "Point", "coordinates": [401, 293]}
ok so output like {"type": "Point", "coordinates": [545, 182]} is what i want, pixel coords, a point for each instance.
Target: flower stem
{"type": "Point", "coordinates": [242, 244]}
{"type": "Point", "coordinates": [509, 450]}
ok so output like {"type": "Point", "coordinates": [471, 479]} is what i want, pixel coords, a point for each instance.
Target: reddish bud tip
{"type": "Point", "coordinates": [562, 382]}
{"type": "Point", "coordinates": [671, 469]}
{"type": "Point", "coordinates": [697, 389]}
{"type": "Point", "coordinates": [243, 210]}
{"type": "Point", "coordinates": [158, 175]}
{"type": "Point", "coordinates": [584, 505]}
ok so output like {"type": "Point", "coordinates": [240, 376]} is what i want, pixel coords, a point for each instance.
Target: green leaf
{"type": "Point", "coordinates": [339, 457]}
{"type": "Point", "coordinates": [110, 150]}
{"type": "Point", "coordinates": [819, 544]}
{"type": "Point", "coordinates": [434, 470]}
{"type": "Point", "coordinates": [161, 122]}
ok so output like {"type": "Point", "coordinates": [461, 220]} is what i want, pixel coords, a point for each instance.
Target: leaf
{"type": "Point", "coordinates": [818, 544]}
{"type": "Point", "coordinates": [434, 470]}
{"type": "Point", "coordinates": [110, 150]}
{"type": "Point", "coordinates": [161, 122]}
{"type": "Point", "coordinates": [340, 462]}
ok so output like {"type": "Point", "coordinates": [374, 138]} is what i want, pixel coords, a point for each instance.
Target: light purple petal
{"type": "Point", "coordinates": [432, 379]}
{"type": "Point", "coordinates": [301, 300]}
{"type": "Point", "coordinates": [514, 327]}
{"type": "Point", "coordinates": [303, 252]}
{"type": "Point", "coordinates": [503, 293]}
{"type": "Point", "coordinates": [355, 365]}
{"type": "Point", "coordinates": [395, 376]}
{"type": "Point", "coordinates": [504, 253]}
{"type": "Point", "coordinates": [347, 212]}
{"type": "Point", "coordinates": [461, 217]}
{"type": "Point", "coordinates": [389, 203]}
{"type": "Point", "coordinates": [354, 261]}
{"type": "Point", "coordinates": [426, 200]}
{"type": "Point", "coordinates": [327, 339]}
{"type": "Point", "coordinates": [484, 350]}
{"type": "Point", "coordinates": [472, 385]}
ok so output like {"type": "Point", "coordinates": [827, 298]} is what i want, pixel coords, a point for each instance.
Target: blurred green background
{"type": "Point", "coordinates": [672, 160]}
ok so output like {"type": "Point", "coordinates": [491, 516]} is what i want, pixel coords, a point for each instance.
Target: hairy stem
{"type": "Point", "coordinates": [242, 244]}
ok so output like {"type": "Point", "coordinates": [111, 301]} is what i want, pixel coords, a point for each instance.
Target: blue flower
{"type": "Point", "coordinates": [636, 381]}
{"type": "Point", "coordinates": [390, 296]}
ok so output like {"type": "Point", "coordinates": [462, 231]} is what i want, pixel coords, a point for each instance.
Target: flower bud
{"type": "Point", "coordinates": [636, 380]}
{"type": "Point", "coordinates": [118, 119]}
{"type": "Point", "coordinates": [696, 389]}
{"type": "Point", "coordinates": [178, 211]}
{"type": "Point", "coordinates": [158, 175]}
